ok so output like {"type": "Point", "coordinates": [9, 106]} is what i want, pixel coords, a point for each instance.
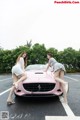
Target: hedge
{"type": "Point", "coordinates": [37, 54]}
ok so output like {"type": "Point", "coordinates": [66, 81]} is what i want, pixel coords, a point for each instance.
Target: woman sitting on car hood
{"type": "Point", "coordinates": [18, 74]}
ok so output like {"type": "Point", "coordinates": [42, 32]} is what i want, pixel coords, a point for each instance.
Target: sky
{"type": "Point", "coordinates": [55, 25]}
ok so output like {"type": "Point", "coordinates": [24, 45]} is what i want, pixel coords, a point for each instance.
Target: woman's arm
{"type": "Point", "coordinates": [47, 67]}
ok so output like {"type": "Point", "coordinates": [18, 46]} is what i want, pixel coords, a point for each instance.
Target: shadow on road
{"type": "Point", "coordinates": [36, 100]}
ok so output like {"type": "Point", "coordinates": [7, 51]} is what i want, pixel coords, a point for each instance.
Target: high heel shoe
{"type": "Point", "coordinates": [10, 102]}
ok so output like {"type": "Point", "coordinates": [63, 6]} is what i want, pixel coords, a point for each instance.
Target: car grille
{"type": "Point", "coordinates": [39, 87]}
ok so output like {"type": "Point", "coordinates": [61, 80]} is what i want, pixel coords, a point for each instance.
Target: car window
{"type": "Point", "coordinates": [36, 67]}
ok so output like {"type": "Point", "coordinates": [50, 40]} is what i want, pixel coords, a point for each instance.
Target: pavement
{"type": "Point", "coordinates": [41, 109]}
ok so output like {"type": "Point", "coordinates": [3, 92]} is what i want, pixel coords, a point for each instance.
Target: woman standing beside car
{"type": "Point", "coordinates": [18, 75]}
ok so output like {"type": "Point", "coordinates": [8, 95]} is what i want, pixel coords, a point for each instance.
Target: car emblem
{"type": "Point", "coordinates": [39, 87]}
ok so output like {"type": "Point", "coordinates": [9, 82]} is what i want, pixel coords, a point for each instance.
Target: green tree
{"type": "Point", "coordinates": [77, 65]}
{"type": "Point", "coordinates": [54, 52]}
{"type": "Point", "coordinates": [38, 54]}
{"type": "Point", "coordinates": [68, 58]}
{"type": "Point", "coordinates": [29, 44]}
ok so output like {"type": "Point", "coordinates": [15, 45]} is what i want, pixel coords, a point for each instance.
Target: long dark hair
{"type": "Point", "coordinates": [25, 59]}
{"type": "Point", "coordinates": [50, 54]}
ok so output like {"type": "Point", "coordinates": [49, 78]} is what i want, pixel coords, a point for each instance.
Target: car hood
{"type": "Point", "coordinates": [38, 76]}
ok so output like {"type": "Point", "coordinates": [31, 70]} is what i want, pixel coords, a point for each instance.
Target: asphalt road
{"type": "Point", "coordinates": [42, 109]}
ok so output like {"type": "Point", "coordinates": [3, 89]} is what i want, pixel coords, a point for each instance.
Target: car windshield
{"type": "Point", "coordinates": [36, 67]}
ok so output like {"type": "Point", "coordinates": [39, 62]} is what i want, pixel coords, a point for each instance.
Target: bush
{"type": "Point", "coordinates": [37, 55]}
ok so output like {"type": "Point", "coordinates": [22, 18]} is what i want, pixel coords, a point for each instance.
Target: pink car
{"type": "Point", "coordinates": [38, 83]}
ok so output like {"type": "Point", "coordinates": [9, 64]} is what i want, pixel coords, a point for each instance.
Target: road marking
{"type": "Point", "coordinates": [71, 78]}
{"type": "Point", "coordinates": [5, 91]}
{"type": "Point", "coordinates": [66, 108]}
{"type": "Point", "coordinates": [5, 79]}
{"type": "Point", "coordinates": [61, 118]}
{"type": "Point", "coordinates": [76, 75]}
{"type": "Point", "coordinates": [70, 114]}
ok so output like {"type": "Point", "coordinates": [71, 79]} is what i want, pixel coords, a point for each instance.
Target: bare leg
{"type": "Point", "coordinates": [15, 78]}
{"type": "Point", "coordinates": [10, 100]}
{"type": "Point", "coordinates": [63, 87]}
{"type": "Point", "coordinates": [23, 77]}
{"type": "Point", "coordinates": [58, 75]}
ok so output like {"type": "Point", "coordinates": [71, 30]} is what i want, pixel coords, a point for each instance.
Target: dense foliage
{"type": "Point", "coordinates": [37, 54]}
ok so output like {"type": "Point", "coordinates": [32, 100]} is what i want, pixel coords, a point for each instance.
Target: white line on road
{"type": "Point", "coordinates": [70, 114]}
{"type": "Point", "coordinates": [76, 75]}
{"type": "Point", "coordinates": [71, 78]}
{"type": "Point", "coordinates": [5, 91]}
{"type": "Point", "coordinates": [61, 118]}
{"type": "Point", "coordinates": [5, 79]}
{"type": "Point", "coordinates": [66, 108]}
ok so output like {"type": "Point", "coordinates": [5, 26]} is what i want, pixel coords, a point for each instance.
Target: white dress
{"type": "Point", "coordinates": [55, 65]}
{"type": "Point", "coordinates": [18, 68]}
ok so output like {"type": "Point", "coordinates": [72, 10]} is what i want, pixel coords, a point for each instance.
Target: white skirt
{"type": "Point", "coordinates": [16, 69]}
{"type": "Point", "coordinates": [58, 66]}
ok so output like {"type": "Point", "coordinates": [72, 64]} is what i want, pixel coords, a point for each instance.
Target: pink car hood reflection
{"type": "Point", "coordinates": [39, 76]}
